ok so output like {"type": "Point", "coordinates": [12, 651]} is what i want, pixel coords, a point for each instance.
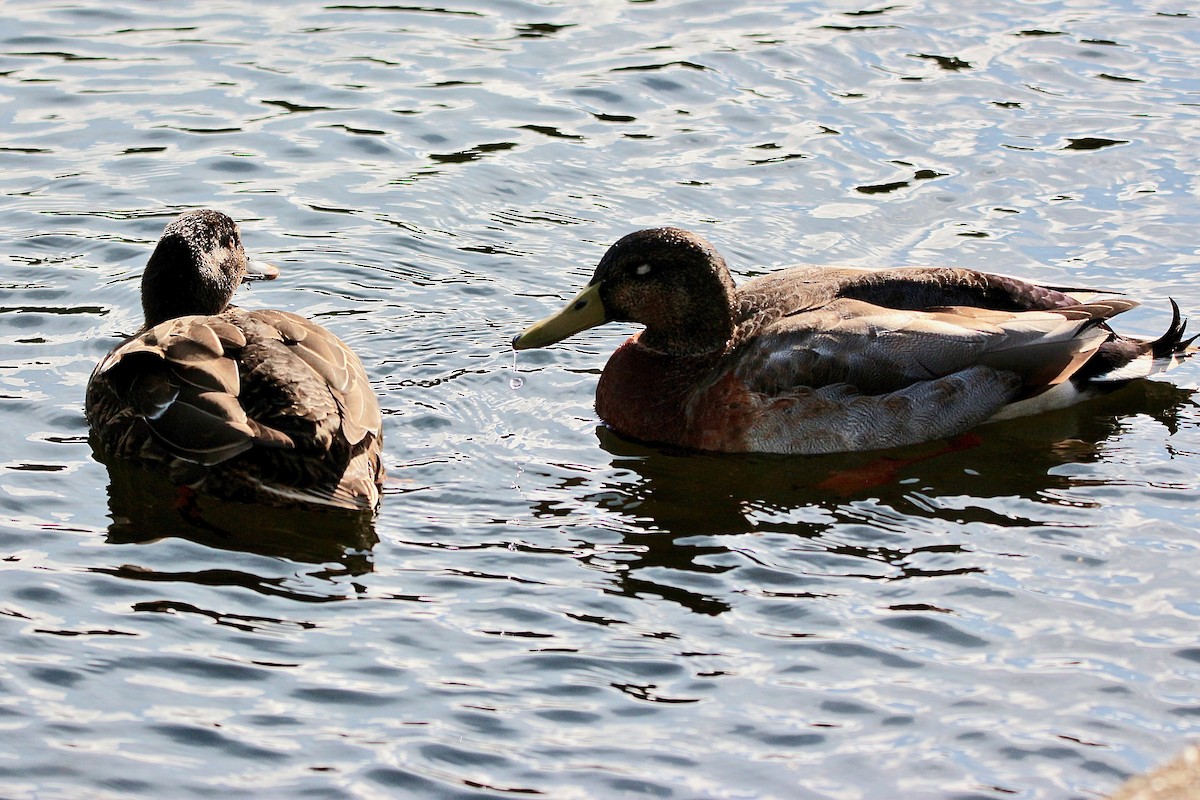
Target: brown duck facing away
{"type": "Point", "coordinates": [1178, 779]}
{"type": "Point", "coordinates": [251, 406]}
{"type": "Point", "coordinates": [819, 359]}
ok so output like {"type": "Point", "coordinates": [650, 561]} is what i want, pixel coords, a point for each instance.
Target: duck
{"type": "Point", "coordinates": [260, 406]}
{"type": "Point", "coordinates": [818, 359]}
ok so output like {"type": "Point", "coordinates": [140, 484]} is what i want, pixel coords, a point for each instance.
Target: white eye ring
{"type": "Point", "coordinates": [642, 269]}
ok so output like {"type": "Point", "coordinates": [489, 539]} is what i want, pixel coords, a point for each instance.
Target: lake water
{"type": "Point", "coordinates": [542, 609]}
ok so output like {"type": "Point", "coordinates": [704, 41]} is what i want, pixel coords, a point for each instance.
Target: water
{"type": "Point", "coordinates": [540, 608]}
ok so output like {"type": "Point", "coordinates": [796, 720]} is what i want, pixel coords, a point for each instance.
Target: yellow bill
{"type": "Point", "coordinates": [585, 311]}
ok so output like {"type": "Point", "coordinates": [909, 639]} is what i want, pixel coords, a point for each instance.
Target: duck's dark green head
{"type": "Point", "coordinates": [197, 266]}
{"type": "Point", "coordinates": [670, 280]}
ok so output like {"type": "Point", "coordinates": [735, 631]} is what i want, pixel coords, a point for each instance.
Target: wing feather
{"type": "Point", "coordinates": [878, 350]}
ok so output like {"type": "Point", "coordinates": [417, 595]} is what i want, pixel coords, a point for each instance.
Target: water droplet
{"type": "Point", "coordinates": [516, 382]}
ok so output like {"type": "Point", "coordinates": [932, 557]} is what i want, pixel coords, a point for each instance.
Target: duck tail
{"type": "Point", "coordinates": [1123, 359]}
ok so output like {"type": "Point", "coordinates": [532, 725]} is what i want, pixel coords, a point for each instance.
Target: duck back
{"type": "Point", "coordinates": [249, 406]}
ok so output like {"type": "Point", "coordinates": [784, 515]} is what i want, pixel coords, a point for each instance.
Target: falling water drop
{"type": "Point", "coordinates": [516, 381]}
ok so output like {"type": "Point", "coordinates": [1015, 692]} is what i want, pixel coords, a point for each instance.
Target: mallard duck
{"type": "Point", "coordinates": [251, 406]}
{"type": "Point", "coordinates": [818, 359]}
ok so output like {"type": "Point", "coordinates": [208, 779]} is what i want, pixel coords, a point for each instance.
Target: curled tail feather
{"type": "Point", "coordinates": [1124, 359]}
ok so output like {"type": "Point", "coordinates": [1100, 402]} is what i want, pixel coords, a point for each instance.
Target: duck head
{"type": "Point", "coordinates": [672, 281]}
{"type": "Point", "coordinates": [197, 266]}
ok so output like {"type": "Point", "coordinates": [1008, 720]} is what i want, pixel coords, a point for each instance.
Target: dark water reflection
{"type": "Point", "coordinates": [541, 608]}
{"type": "Point", "coordinates": [668, 499]}
{"type": "Point", "coordinates": [1009, 459]}
{"type": "Point", "coordinates": [145, 508]}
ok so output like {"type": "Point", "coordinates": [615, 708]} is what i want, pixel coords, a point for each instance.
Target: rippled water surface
{"type": "Point", "coordinates": [541, 609]}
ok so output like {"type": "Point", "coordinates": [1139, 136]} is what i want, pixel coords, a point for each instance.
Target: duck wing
{"type": "Point", "coordinates": [764, 299]}
{"type": "Point", "coordinates": [179, 383]}
{"type": "Point", "coordinates": [877, 349]}
{"type": "Point", "coordinates": [336, 364]}
{"type": "Point", "coordinates": [246, 404]}
{"type": "Point", "coordinates": [301, 380]}
{"type": "Point", "coordinates": [851, 375]}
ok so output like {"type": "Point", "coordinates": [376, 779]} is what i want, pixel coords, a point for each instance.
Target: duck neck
{"type": "Point", "coordinates": [696, 322]}
{"type": "Point", "coordinates": [699, 337]}
{"type": "Point", "coordinates": [703, 324]}
{"type": "Point", "coordinates": [179, 281]}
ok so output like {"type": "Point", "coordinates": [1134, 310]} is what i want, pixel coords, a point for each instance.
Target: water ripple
{"type": "Point", "coordinates": [542, 608]}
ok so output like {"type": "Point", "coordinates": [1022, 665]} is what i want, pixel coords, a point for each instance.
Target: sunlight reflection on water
{"type": "Point", "coordinates": [541, 607]}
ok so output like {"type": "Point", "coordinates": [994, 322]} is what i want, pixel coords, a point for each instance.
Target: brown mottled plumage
{"type": "Point", "coordinates": [818, 359]}
{"type": "Point", "coordinates": [252, 406]}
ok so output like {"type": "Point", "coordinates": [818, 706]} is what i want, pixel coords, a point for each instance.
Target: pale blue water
{"type": "Point", "coordinates": [541, 609]}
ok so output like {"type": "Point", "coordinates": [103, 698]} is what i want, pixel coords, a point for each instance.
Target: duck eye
{"type": "Point", "coordinates": [642, 270]}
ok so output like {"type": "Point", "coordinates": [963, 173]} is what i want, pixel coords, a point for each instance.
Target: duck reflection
{"type": "Point", "coordinates": [698, 493]}
{"type": "Point", "coordinates": [664, 496]}
{"type": "Point", "coordinates": [145, 507]}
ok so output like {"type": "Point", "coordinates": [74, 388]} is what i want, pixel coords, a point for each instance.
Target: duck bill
{"type": "Point", "coordinates": [260, 271]}
{"type": "Point", "coordinates": [585, 311]}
